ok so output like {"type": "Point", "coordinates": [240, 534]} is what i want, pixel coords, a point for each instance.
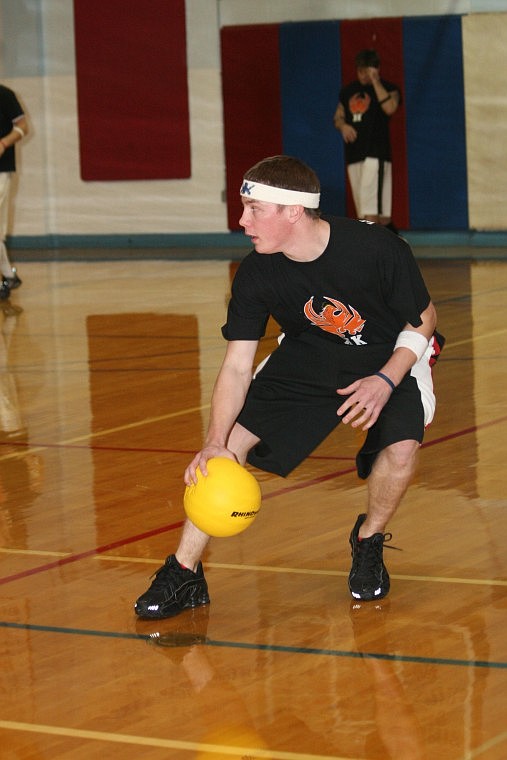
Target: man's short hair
{"type": "Point", "coordinates": [366, 58]}
{"type": "Point", "coordinates": [287, 172]}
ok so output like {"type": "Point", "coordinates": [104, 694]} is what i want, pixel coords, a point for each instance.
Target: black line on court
{"type": "Point", "coordinates": [263, 647]}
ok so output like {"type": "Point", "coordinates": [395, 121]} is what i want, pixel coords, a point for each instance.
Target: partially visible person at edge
{"type": "Point", "coordinates": [362, 116]}
{"type": "Point", "coordinates": [358, 341]}
{"type": "Point", "coordinates": [13, 127]}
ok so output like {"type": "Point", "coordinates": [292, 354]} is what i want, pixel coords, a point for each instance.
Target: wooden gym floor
{"type": "Point", "coordinates": [106, 374]}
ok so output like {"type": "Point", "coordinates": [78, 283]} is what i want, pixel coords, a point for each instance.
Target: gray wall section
{"type": "Point", "coordinates": [22, 49]}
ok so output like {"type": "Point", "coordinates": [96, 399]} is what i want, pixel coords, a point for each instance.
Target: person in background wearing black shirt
{"type": "Point", "coordinates": [362, 116]}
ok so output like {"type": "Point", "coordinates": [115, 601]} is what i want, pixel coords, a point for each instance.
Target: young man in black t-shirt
{"type": "Point", "coordinates": [357, 343]}
{"type": "Point", "coordinates": [362, 116]}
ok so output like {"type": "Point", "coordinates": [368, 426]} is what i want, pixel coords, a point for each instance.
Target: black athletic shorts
{"type": "Point", "coordinates": [292, 403]}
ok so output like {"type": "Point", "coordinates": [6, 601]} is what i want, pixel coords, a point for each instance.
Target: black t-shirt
{"type": "Point", "coordinates": [10, 110]}
{"type": "Point", "coordinates": [362, 290]}
{"type": "Point", "coordinates": [363, 112]}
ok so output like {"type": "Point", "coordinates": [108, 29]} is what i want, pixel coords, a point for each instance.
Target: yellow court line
{"type": "Point", "coordinates": [474, 338]}
{"type": "Point", "coordinates": [479, 751]}
{"type": "Point", "coordinates": [130, 425]}
{"type": "Point", "coordinates": [33, 552]}
{"type": "Point", "coordinates": [148, 741]}
{"type": "Point", "coordinates": [108, 431]}
{"type": "Point", "coordinates": [268, 568]}
{"type": "Point", "coordinates": [341, 573]}
{"type": "Point", "coordinates": [191, 410]}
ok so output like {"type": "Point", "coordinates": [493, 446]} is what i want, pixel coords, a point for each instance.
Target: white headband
{"type": "Point", "coordinates": [259, 192]}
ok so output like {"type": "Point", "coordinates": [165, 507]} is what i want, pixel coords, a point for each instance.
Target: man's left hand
{"type": "Point", "coordinates": [366, 399]}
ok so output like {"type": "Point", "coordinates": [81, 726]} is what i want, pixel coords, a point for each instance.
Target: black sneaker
{"type": "Point", "coordinates": [14, 281]}
{"type": "Point", "coordinates": [174, 589]}
{"type": "Point", "coordinates": [5, 290]}
{"type": "Point", "coordinates": [368, 577]}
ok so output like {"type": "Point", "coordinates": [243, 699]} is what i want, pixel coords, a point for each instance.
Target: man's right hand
{"type": "Point", "coordinates": [200, 459]}
{"type": "Point", "coordinates": [349, 134]}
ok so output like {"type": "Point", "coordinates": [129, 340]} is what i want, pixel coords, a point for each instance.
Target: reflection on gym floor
{"type": "Point", "coordinates": [106, 373]}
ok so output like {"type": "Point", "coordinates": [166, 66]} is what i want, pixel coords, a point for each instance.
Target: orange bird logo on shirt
{"type": "Point", "coordinates": [359, 104]}
{"type": "Point", "coordinates": [335, 317]}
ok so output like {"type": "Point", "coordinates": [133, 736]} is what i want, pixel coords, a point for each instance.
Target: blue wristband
{"type": "Point", "coordinates": [387, 379]}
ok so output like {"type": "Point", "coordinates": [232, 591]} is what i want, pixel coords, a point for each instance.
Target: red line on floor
{"type": "Point", "coordinates": [90, 552]}
{"type": "Point", "coordinates": [166, 528]}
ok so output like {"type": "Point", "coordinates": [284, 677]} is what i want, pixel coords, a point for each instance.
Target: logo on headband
{"type": "Point", "coordinates": [246, 189]}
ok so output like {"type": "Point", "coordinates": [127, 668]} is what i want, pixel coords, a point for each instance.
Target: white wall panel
{"type": "Point", "coordinates": [485, 65]}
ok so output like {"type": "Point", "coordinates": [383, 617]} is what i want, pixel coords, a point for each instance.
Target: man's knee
{"type": "Point", "coordinates": [400, 456]}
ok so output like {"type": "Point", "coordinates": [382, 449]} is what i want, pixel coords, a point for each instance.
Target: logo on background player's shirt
{"type": "Point", "coordinates": [358, 105]}
{"type": "Point", "coordinates": [336, 318]}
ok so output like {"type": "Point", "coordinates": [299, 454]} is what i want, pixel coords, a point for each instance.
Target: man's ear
{"type": "Point", "coordinates": [295, 213]}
